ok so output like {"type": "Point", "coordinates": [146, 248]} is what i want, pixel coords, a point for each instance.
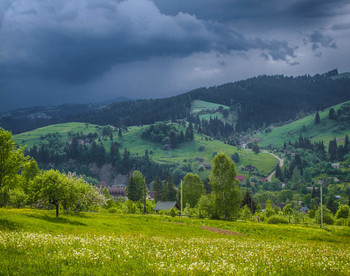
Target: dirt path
{"type": "Point", "coordinates": [281, 160]}
{"type": "Point", "coordinates": [221, 231]}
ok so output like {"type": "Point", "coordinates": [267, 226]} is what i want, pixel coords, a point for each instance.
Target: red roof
{"type": "Point", "coordinates": [102, 184]}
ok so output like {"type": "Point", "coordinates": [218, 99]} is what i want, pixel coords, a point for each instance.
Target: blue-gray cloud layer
{"type": "Point", "coordinates": [75, 41]}
{"type": "Point", "coordinates": [60, 49]}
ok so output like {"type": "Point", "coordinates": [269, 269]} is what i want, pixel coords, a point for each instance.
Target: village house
{"type": "Point", "coordinates": [166, 205]}
{"type": "Point", "coordinates": [335, 165]}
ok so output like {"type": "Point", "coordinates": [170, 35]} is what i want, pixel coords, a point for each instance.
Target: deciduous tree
{"type": "Point", "coordinates": [11, 158]}
{"type": "Point", "coordinates": [193, 189]}
{"type": "Point", "coordinates": [227, 196]}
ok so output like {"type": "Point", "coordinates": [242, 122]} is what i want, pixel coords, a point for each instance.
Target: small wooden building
{"type": "Point", "coordinates": [166, 205]}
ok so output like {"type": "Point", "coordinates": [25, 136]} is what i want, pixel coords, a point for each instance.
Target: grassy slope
{"type": "Point", "coordinates": [198, 106]}
{"type": "Point", "coordinates": [323, 131]}
{"type": "Point", "coordinates": [32, 138]}
{"type": "Point", "coordinates": [34, 242]}
{"type": "Point", "coordinates": [133, 142]}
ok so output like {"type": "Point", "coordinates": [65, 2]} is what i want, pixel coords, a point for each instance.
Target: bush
{"type": "Point", "coordinates": [342, 222]}
{"type": "Point", "coordinates": [173, 212]}
{"type": "Point", "coordinates": [343, 212]}
{"type": "Point", "coordinates": [328, 217]}
{"type": "Point", "coordinates": [113, 210]}
{"type": "Point", "coordinates": [277, 220]}
{"type": "Point", "coordinates": [163, 212]}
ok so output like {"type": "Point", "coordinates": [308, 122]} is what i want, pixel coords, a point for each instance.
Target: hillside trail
{"type": "Point", "coordinates": [281, 160]}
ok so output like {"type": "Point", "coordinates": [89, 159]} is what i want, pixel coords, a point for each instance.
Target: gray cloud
{"type": "Point", "coordinates": [80, 40]}
{"type": "Point", "coordinates": [90, 50]}
{"type": "Point", "coordinates": [268, 11]}
{"type": "Point", "coordinates": [340, 27]}
{"type": "Point", "coordinates": [318, 39]}
{"type": "Point", "coordinates": [318, 8]}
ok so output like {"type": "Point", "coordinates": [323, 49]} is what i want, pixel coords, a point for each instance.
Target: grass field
{"type": "Point", "coordinates": [324, 131]}
{"type": "Point", "coordinates": [32, 138]}
{"type": "Point", "coordinates": [190, 151]}
{"type": "Point", "coordinates": [132, 140]}
{"type": "Point", "coordinates": [203, 106]}
{"type": "Point", "coordinates": [34, 242]}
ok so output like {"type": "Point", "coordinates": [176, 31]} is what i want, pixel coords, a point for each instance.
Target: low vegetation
{"type": "Point", "coordinates": [34, 242]}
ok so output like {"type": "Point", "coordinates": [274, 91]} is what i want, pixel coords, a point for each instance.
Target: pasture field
{"type": "Point", "coordinates": [186, 153]}
{"type": "Point", "coordinates": [326, 130]}
{"type": "Point", "coordinates": [32, 137]}
{"type": "Point", "coordinates": [34, 242]}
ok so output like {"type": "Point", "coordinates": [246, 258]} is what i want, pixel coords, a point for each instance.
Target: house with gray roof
{"type": "Point", "coordinates": [166, 205]}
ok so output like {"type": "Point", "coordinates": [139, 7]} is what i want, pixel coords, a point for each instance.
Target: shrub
{"type": "Point", "coordinates": [341, 222]}
{"type": "Point", "coordinates": [328, 217]}
{"type": "Point", "coordinates": [277, 220]}
{"type": "Point", "coordinates": [173, 212]}
{"type": "Point", "coordinates": [113, 210]}
{"type": "Point", "coordinates": [163, 212]}
{"type": "Point", "coordinates": [343, 212]}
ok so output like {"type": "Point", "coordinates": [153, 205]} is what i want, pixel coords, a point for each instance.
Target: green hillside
{"type": "Point", "coordinates": [33, 137]}
{"type": "Point", "coordinates": [203, 147]}
{"type": "Point", "coordinates": [326, 130]}
{"type": "Point", "coordinates": [189, 151]}
{"type": "Point", "coordinates": [206, 110]}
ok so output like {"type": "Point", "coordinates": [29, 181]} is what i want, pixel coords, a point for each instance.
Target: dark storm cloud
{"type": "Point", "coordinates": [83, 50]}
{"type": "Point", "coordinates": [318, 39]}
{"type": "Point", "coordinates": [76, 41]}
{"type": "Point", "coordinates": [318, 8]}
{"type": "Point", "coordinates": [270, 10]}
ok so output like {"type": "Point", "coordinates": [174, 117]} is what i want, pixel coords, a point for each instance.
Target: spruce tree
{"type": "Point", "coordinates": [332, 114]}
{"type": "Point", "coordinates": [169, 189]}
{"type": "Point", "coordinates": [249, 201]}
{"type": "Point", "coordinates": [346, 145]}
{"type": "Point", "coordinates": [158, 189]}
{"type": "Point", "coordinates": [189, 132]}
{"type": "Point", "coordinates": [332, 205]}
{"type": "Point", "coordinates": [256, 148]}
{"type": "Point", "coordinates": [332, 150]}
{"type": "Point", "coordinates": [136, 187]}
{"type": "Point", "coordinates": [317, 118]}
{"type": "Point", "coordinates": [278, 173]}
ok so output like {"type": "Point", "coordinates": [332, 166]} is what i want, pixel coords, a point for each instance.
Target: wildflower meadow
{"type": "Point", "coordinates": [179, 246]}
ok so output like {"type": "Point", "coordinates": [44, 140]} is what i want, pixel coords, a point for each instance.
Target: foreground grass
{"type": "Point", "coordinates": [34, 242]}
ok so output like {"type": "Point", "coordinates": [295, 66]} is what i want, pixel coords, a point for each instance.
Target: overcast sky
{"type": "Point", "coordinates": [64, 51]}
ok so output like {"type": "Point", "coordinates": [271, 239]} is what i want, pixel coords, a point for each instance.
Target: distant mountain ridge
{"type": "Point", "coordinates": [25, 119]}
{"type": "Point", "coordinates": [258, 101]}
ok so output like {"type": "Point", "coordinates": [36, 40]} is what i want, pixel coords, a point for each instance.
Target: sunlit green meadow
{"type": "Point", "coordinates": [186, 153]}
{"type": "Point", "coordinates": [326, 130]}
{"type": "Point", "coordinates": [34, 242]}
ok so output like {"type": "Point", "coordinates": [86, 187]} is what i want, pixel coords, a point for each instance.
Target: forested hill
{"type": "Point", "coordinates": [257, 101]}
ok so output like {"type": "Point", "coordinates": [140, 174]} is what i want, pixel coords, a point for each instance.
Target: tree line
{"type": "Point", "coordinates": [23, 183]}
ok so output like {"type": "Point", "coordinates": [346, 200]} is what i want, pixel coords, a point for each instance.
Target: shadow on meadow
{"type": "Point", "coordinates": [6, 224]}
{"type": "Point", "coordinates": [57, 220]}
